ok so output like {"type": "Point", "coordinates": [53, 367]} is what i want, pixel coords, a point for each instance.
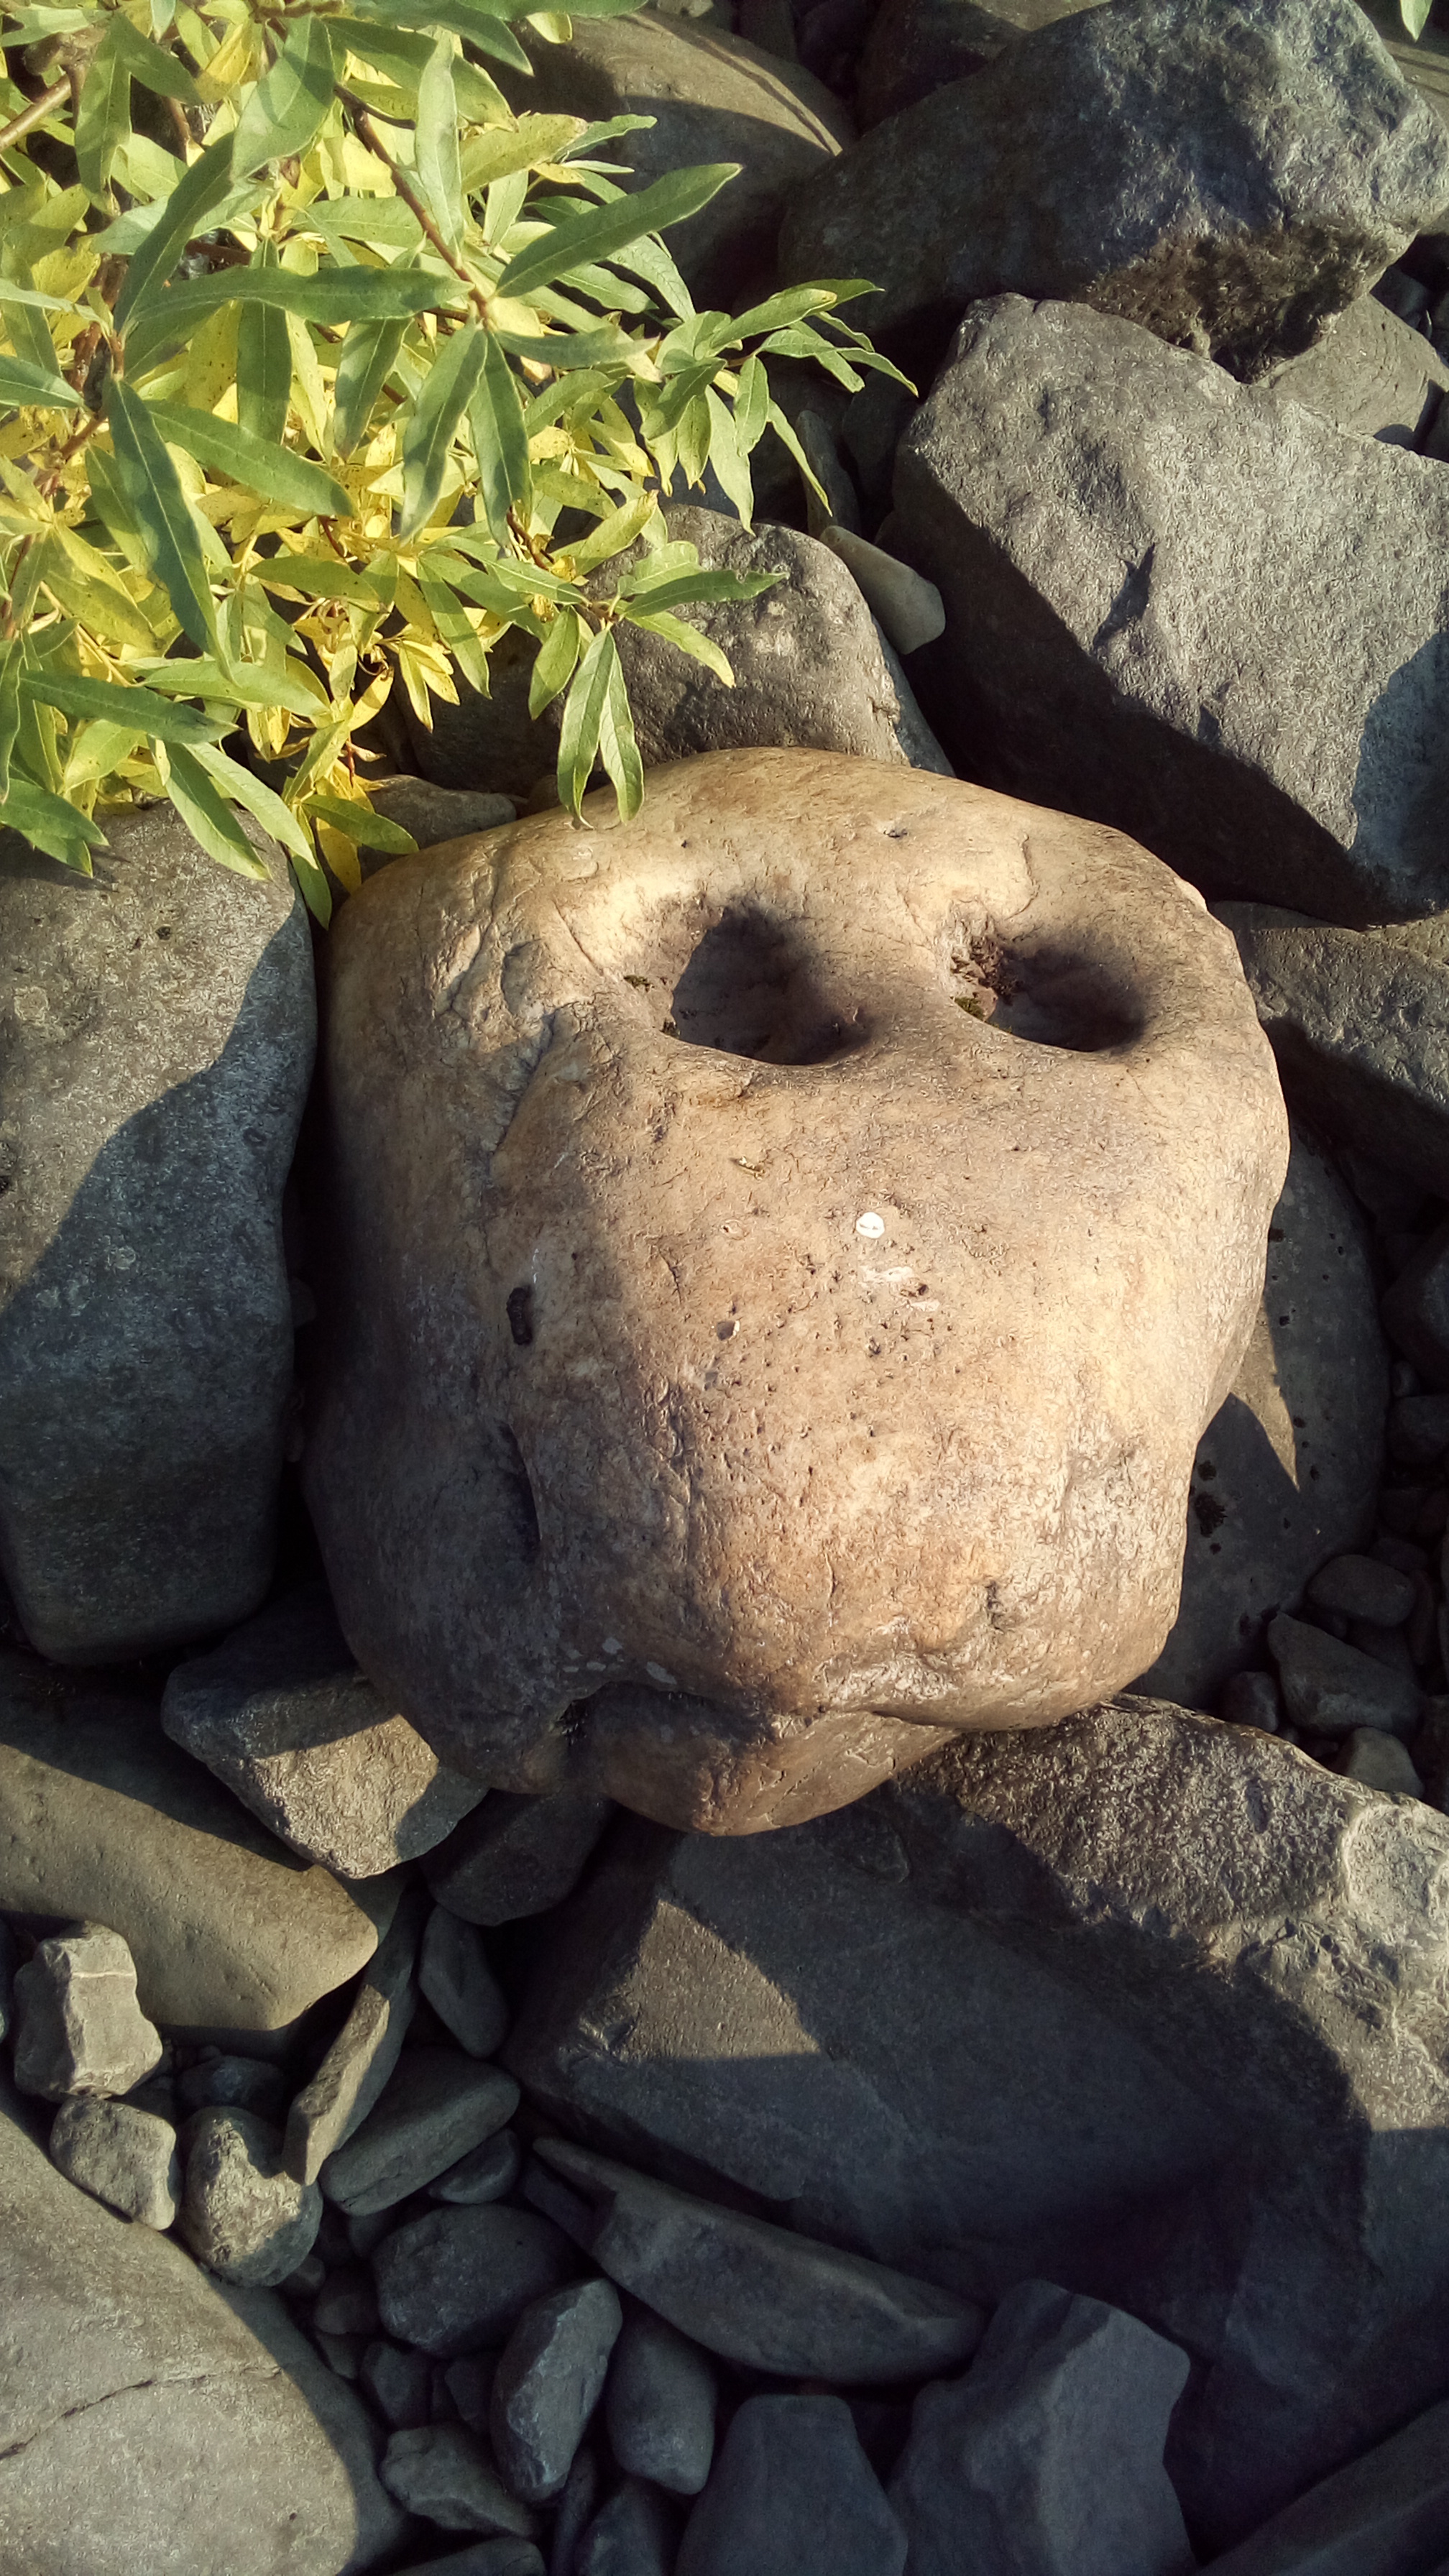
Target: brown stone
{"type": "Point", "coordinates": [784, 1262]}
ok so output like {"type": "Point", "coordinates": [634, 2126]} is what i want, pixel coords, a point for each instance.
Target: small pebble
{"type": "Point", "coordinates": [455, 1977]}
{"type": "Point", "coordinates": [435, 2108]}
{"type": "Point", "coordinates": [635, 2535]}
{"type": "Point", "coordinates": [399, 2383]}
{"type": "Point", "coordinates": [307, 2279]}
{"type": "Point", "coordinates": [341, 2352]}
{"type": "Point", "coordinates": [443, 2473]}
{"type": "Point", "coordinates": [242, 2214]}
{"type": "Point", "coordinates": [1419, 1429]}
{"type": "Point", "coordinates": [120, 2155]}
{"type": "Point", "coordinates": [1362, 1587]}
{"type": "Point", "coordinates": [488, 2174]}
{"type": "Point", "coordinates": [237, 2083]}
{"type": "Point", "coordinates": [662, 2396]}
{"type": "Point", "coordinates": [347, 2305]}
{"type": "Point", "coordinates": [469, 2383]}
{"type": "Point", "coordinates": [550, 2378]}
{"type": "Point", "coordinates": [1380, 1761]}
{"type": "Point", "coordinates": [78, 2027]}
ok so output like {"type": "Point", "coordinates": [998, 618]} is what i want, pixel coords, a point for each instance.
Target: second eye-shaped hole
{"type": "Point", "coordinates": [751, 989]}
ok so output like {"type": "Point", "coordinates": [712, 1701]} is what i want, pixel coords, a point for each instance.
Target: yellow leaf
{"type": "Point", "coordinates": [341, 856]}
{"type": "Point", "coordinates": [210, 368]}
{"type": "Point", "coordinates": [309, 392]}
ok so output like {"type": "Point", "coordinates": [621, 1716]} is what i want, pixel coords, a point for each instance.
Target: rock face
{"type": "Point", "coordinates": [793, 2494]}
{"type": "Point", "coordinates": [1139, 2004]}
{"type": "Point", "coordinates": [158, 1034]}
{"type": "Point", "coordinates": [915, 46]}
{"type": "Point", "coordinates": [1229, 178]}
{"type": "Point", "coordinates": [1286, 1471]}
{"type": "Point", "coordinates": [78, 2027]}
{"type": "Point", "coordinates": [1384, 2514]}
{"type": "Point", "coordinates": [148, 2419]}
{"type": "Point", "coordinates": [1187, 607]}
{"type": "Point", "coordinates": [281, 1713]}
{"type": "Point", "coordinates": [1371, 375]}
{"type": "Point", "coordinates": [796, 1288]}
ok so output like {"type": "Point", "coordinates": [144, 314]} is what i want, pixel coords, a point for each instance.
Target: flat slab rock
{"type": "Point", "coordinates": [1134, 2004]}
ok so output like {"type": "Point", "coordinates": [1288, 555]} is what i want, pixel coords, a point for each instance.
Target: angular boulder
{"type": "Point", "coordinates": [1188, 607]}
{"type": "Point", "coordinates": [809, 1183]}
{"type": "Point", "coordinates": [158, 1024]}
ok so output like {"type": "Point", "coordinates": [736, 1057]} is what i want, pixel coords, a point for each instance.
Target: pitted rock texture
{"type": "Point", "coordinates": [782, 1273]}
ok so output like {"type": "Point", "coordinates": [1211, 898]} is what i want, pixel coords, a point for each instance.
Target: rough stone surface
{"type": "Point", "coordinates": [517, 1856]}
{"type": "Point", "coordinates": [282, 1715]}
{"type": "Point", "coordinates": [1330, 1687]}
{"type": "Point", "coordinates": [435, 2107]}
{"type": "Point", "coordinates": [149, 2418]}
{"type": "Point", "coordinates": [158, 1034]}
{"type": "Point", "coordinates": [78, 2027]}
{"type": "Point", "coordinates": [101, 1818]}
{"type": "Point", "coordinates": [548, 2382]}
{"type": "Point", "coordinates": [1286, 1471]}
{"type": "Point", "coordinates": [660, 2403]}
{"type": "Point", "coordinates": [915, 46]}
{"type": "Point", "coordinates": [1230, 178]}
{"type": "Point", "coordinates": [633, 2536]}
{"type": "Point", "coordinates": [488, 2173]}
{"type": "Point", "coordinates": [752, 2292]}
{"type": "Point", "coordinates": [443, 2472]}
{"type": "Point", "coordinates": [337, 2098]}
{"type": "Point", "coordinates": [1135, 2003]}
{"type": "Point", "coordinates": [1385, 2515]}
{"type": "Point", "coordinates": [455, 1978]}
{"type": "Point", "coordinates": [1370, 374]}
{"type": "Point", "coordinates": [120, 2155]}
{"type": "Point", "coordinates": [793, 2494]}
{"type": "Point", "coordinates": [458, 2280]}
{"type": "Point", "coordinates": [792, 1486]}
{"type": "Point", "coordinates": [243, 2216]}
{"type": "Point", "coordinates": [1048, 2454]}
{"type": "Point", "coordinates": [1187, 607]}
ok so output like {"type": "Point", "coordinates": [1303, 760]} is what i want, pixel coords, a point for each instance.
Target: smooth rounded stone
{"type": "Point", "coordinates": [1092, 162]}
{"type": "Point", "coordinates": [150, 2417]}
{"type": "Point", "coordinates": [517, 1856]}
{"type": "Point", "coordinates": [915, 46]}
{"type": "Point", "coordinates": [634, 2535]}
{"type": "Point", "coordinates": [233, 1938]}
{"type": "Point", "coordinates": [659, 2404]}
{"type": "Point", "coordinates": [444, 2473]}
{"type": "Point", "coordinates": [455, 1978]}
{"type": "Point", "coordinates": [548, 2382]}
{"type": "Point", "coordinates": [753, 1056]}
{"type": "Point", "coordinates": [78, 2026]}
{"type": "Point", "coordinates": [433, 814]}
{"type": "Point", "coordinates": [1380, 1761]}
{"type": "Point", "coordinates": [435, 2108]}
{"type": "Point", "coordinates": [487, 2174]}
{"type": "Point", "coordinates": [906, 604]}
{"type": "Point", "coordinates": [1048, 2454]}
{"type": "Point", "coordinates": [752, 2292]}
{"type": "Point", "coordinates": [341, 2352]}
{"type": "Point", "coordinates": [458, 2280]}
{"type": "Point", "coordinates": [485, 2558]}
{"type": "Point", "coordinates": [1370, 375]}
{"type": "Point", "coordinates": [793, 2494]}
{"type": "Point", "coordinates": [399, 2383]}
{"type": "Point", "coordinates": [305, 2279]}
{"type": "Point", "coordinates": [1384, 2515]}
{"type": "Point", "coordinates": [243, 2216]}
{"type": "Point", "coordinates": [1363, 1587]}
{"type": "Point", "coordinates": [159, 1021]}
{"type": "Point", "coordinates": [1251, 1699]}
{"type": "Point", "coordinates": [469, 2383]}
{"type": "Point", "coordinates": [281, 1714]}
{"type": "Point", "coordinates": [1419, 1430]}
{"type": "Point", "coordinates": [243, 2083]}
{"type": "Point", "coordinates": [337, 2098]}
{"type": "Point", "coordinates": [1330, 1687]}
{"type": "Point", "coordinates": [125, 2157]}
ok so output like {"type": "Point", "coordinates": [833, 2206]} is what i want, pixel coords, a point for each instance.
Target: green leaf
{"type": "Point", "coordinates": [777, 311]}
{"type": "Point", "coordinates": [316, 577]}
{"type": "Point", "coordinates": [335, 297]}
{"type": "Point", "coordinates": [291, 482]}
{"type": "Point", "coordinates": [383, 223]}
{"type": "Point", "coordinates": [571, 349]}
{"type": "Point", "coordinates": [27, 386]}
{"type": "Point", "coordinates": [674, 630]}
{"type": "Point", "coordinates": [1415, 15]}
{"type": "Point", "coordinates": [436, 144]}
{"type": "Point", "coordinates": [670, 200]}
{"type": "Point", "coordinates": [455, 633]}
{"type": "Point", "coordinates": [500, 442]}
{"type": "Point", "coordinates": [260, 801]}
{"type": "Point", "coordinates": [103, 118]}
{"type": "Point", "coordinates": [12, 666]}
{"type": "Point", "coordinates": [51, 825]}
{"type": "Point", "coordinates": [113, 704]}
{"type": "Point", "coordinates": [370, 831]}
{"type": "Point", "coordinates": [752, 404]}
{"type": "Point", "coordinates": [206, 814]}
{"type": "Point", "coordinates": [582, 717]}
{"type": "Point", "coordinates": [728, 457]}
{"type": "Point", "coordinates": [471, 18]}
{"type": "Point", "coordinates": [163, 514]}
{"type": "Point", "coordinates": [447, 391]}
{"type": "Point", "coordinates": [21, 308]}
{"type": "Point", "coordinates": [368, 355]}
{"type": "Point", "coordinates": [263, 370]}
{"type": "Point", "coordinates": [152, 65]}
{"type": "Point", "coordinates": [618, 530]}
{"type": "Point", "coordinates": [196, 195]}
{"type": "Point", "coordinates": [617, 743]}
{"type": "Point", "coordinates": [677, 589]}
{"type": "Point", "coordinates": [557, 656]}
{"type": "Point", "coordinates": [403, 57]}
{"type": "Point", "coordinates": [285, 111]}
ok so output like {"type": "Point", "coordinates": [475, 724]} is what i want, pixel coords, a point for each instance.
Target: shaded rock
{"type": "Point", "coordinates": [660, 2403]}
{"type": "Point", "coordinates": [1134, 2003]}
{"type": "Point", "coordinates": [1369, 375]}
{"type": "Point", "coordinates": [159, 1029]}
{"type": "Point", "coordinates": [1416, 1309]}
{"type": "Point", "coordinates": [1230, 181]}
{"type": "Point", "coordinates": [101, 1818]}
{"type": "Point", "coordinates": [1048, 2454]}
{"type": "Point", "coordinates": [282, 1715]}
{"type": "Point", "coordinates": [1330, 1687]}
{"type": "Point", "coordinates": [120, 2155]}
{"type": "Point", "coordinates": [634, 2535]}
{"type": "Point", "coordinates": [485, 2558]}
{"type": "Point", "coordinates": [793, 2494]}
{"type": "Point", "coordinates": [1185, 606]}
{"type": "Point", "coordinates": [444, 2473]}
{"type": "Point", "coordinates": [351, 2077]}
{"type": "Point", "coordinates": [247, 2083]}
{"type": "Point", "coordinates": [458, 2280]}
{"type": "Point", "coordinates": [455, 1978]}
{"type": "Point", "coordinates": [575, 2510]}
{"type": "Point", "coordinates": [1361, 1587]}
{"type": "Point", "coordinates": [1251, 1699]}
{"type": "Point", "coordinates": [347, 2304]}
{"type": "Point", "coordinates": [547, 2384]}
{"type": "Point", "coordinates": [915, 46]}
{"type": "Point", "coordinates": [609, 1591]}
{"type": "Point", "coordinates": [906, 606]}
{"type": "Point", "coordinates": [1287, 1470]}
{"type": "Point", "coordinates": [399, 2383]}
{"type": "Point", "coordinates": [435, 2107]}
{"type": "Point", "coordinates": [1380, 1761]}
{"type": "Point", "coordinates": [243, 2216]}
{"type": "Point", "coordinates": [434, 814]}
{"type": "Point", "coordinates": [78, 2026]}
{"type": "Point", "coordinates": [1418, 1437]}
{"type": "Point", "coordinates": [752, 2292]}
{"type": "Point", "coordinates": [487, 2174]}
{"type": "Point", "coordinates": [1385, 2515]}
{"type": "Point", "coordinates": [517, 1856]}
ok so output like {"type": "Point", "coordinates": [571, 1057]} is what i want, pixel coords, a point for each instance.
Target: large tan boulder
{"type": "Point", "coordinates": [785, 1252]}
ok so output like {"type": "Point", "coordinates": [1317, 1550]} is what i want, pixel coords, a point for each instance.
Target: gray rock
{"type": "Point", "coordinates": [487, 2174]}
{"type": "Point", "coordinates": [356, 2067]}
{"type": "Point", "coordinates": [433, 814]}
{"type": "Point", "coordinates": [243, 2216]}
{"type": "Point", "coordinates": [1251, 1699]}
{"type": "Point", "coordinates": [574, 2511]}
{"type": "Point", "coordinates": [516, 1856]}
{"type": "Point", "coordinates": [1385, 2515]}
{"type": "Point", "coordinates": [347, 2304]}
{"type": "Point", "coordinates": [443, 2472]}
{"type": "Point", "coordinates": [1330, 1687]}
{"type": "Point", "coordinates": [1048, 2455]}
{"type": "Point", "coordinates": [1286, 1471]}
{"type": "Point", "coordinates": [78, 2026]}
{"type": "Point", "coordinates": [906, 607]}
{"type": "Point", "coordinates": [1380, 1761]}
{"type": "Point", "coordinates": [1370, 375]}
{"type": "Point", "coordinates": [120, 2155]}
{"type": "Point", "coordinates": [548, 2382]}
{"type": "Point", "coordinates": [399, 2383]}
{"type": "Point", "coordinates": [159, 1030]}
{"type": "Point", "coordinates": [151, 2419]}
{"type": "Point", "coordinates": [458, 2280]}
{"type": "Point", "coordinates": [1418, 1435]}
{"type": "Point", "coordinates": [1133, 2002]}
{"type": "Point", "coordinates": [915, 46]}
{"type": "Point", "coordinates": [455, 1978]}
{"type": "Point", "coordinates": [1362, 1587]}
{"type": "Point", "coordinates": [435, 2108]}
{"type": "Point", "coordinates": [485, 2558]}
{"type": "Point", "coordinates": [469, 2383]}
{"type": "Point", "coordinates": [247, 2083]}
{"type": "Point", "coordinates": [233, 1939]}
{"type": "Point", "coordinates": [633, 2536]}
{"type": "Point", "coordinates": [1229, 180]}
{"type": "Point", "coordinates": [1416, 1309]}
{"type": "Point", "coordinates": [660, 2404]}
{"type": "Point", "coordinates": [793, 2494]}
{"type": "Point", "coordinates": [282, 1715]}
{"type": "Point", "coordinates": [752, 2292]}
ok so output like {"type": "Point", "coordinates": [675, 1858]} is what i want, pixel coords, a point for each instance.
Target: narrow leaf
{"type": "Point", "coordinates": [500, 442]}
{"type": "Point", "coordinates": [614, 533]}
{"type": "Point", "coordinates": [320, 577]}
{"type": "Point", "coordinates": [163, 514]}
{"type": "Point", "coordinates": [152, 65]}
{"type": "Point", "coordinates": [105, 699]}
{"type": "Point", "coordinates": [618, 745]}
{"type": "Point", "coordinates": [609, 228]}
{"type": "Point", "coordinates": [258, 799]}
{"type": "Point", "coordinates": [368, 355]}
{"type": "Point", "coordinates": [582, 716]}
{"type": "Point", "coordinates": [51, 825]}
{"type": "Point", "coordinates": [438, 163]}
{"type": "Point", "coordinates": [206, 813]}
{"type": "Point", "coordinates": [25, 386]}
{"type": "Point", "coordinates": [196, 195]}
{"type": "Point", "coordinates": [370, 831]}
{"type": "Point", "coordinates": [286, 109]}
{"type": "Point", "coordinates": [1415, 15]}
{"type": "Point", "coordinates": [752, 404]}
{"type": "Point", "coordinates": [291, 482]}
{"type": "Point", "coordinates": [677, 589]}
{"type": "Point", "coordinates": [455, 631]}
{"type": "Point", "coordinates": [446, 394]}
{"type": "Point", "coordinates": [554, 667]}
{"type": "Point", "coordinates": [728, 458]}
{"type": "Point", "coordinates": [263, 363]}
{"type": "Point", "coordinates": [335, 297]}
{"type": "Point", "coordinates": [689, 639]}
{"type": "Point", "coordinates": [12, 666]}
{"type": "Point", "coordinates": [103, 118]}
{"type": "Point", "coordinates": [471, 18]}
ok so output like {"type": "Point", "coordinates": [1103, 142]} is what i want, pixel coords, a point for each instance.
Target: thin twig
{"type": "Point", "coordinates": [368, 134]}
{"type": "Point", "coordinates": [36, 113]}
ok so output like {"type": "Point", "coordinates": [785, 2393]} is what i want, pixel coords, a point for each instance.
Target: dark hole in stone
{"type": "Point", "coordinates": [1060, 998]}
{"type": "Point", "coordinates": [520, 1316]}
{"type": "Point", "coordinates": [517, 1484]}
{"type": "Point", "coordinates": [1208, 1512]}
{"type": "Point", "coordinates": [750, 989]}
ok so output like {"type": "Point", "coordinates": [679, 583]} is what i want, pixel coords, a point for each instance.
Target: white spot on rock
{"type": "Point", "coordinates": [870, 1224]}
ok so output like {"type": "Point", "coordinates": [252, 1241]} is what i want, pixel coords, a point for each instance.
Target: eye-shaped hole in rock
{"type": "Point", "coordinates": [1055, 995]}
{"type": "Point", "coordinates": [750, 989]}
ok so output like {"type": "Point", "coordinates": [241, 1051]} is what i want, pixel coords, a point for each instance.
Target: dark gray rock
{"type": "Point", "coordinates": [436, 2107]}
{"type": "Point", "coordinates": [915, 46]}
{"type": "Point", "coordinates": [1361, 1587]}
{"type": "Point", "coordinates": [337, 2098]}
{"type": "Point", "coordinates": [455, 1978]}
{"type": "Point", "coordinates": [399, 2384]}
{"type": "Point", "coordinates": [516, 1856]}
{"type": "Point", "coordinates": [1385, 2515]}
{"type": "Point", "coordinates": [485, 2558]}
{"type": "Point", "coordinates": [1047, 2456]}
{"type": "Point", "coordinates": [1379, 1761]}
{"type": "Point", "coordinates": [752, 2292]}
{"type": "Point", "coordinates": [793, 2494]}
{"type": "Point", "coordinates": [1287, 1470]}
{"type": "Point", "coordinates": [78, 2027]}
{"type": "Point", "coordinates": [346, 2304]}
{"type": "Point", "coordinates": [1418, 1437]}
{"type": "Point", "coordinates": [1251, 1699]}
{"type": "Point", "coordinates": [120, 2155]}
{"type": "Point", "coordinates": [1230, 179]}
{"type": "Point", "coordinates": [549, 2379]}
{"type": "Point", "coordinates": [243, 2216]}
{"type": "Point", "coordinates": [443, 2472]}
{"type": "Point", "coordinates": [458, 2280]}
{"type": "Point", "coordinates": [160, 1027]}
{"type": "Point", "coordinates": [634, 2535]}
{"type": "Point", "coordinates": [575, 2510]}
{"type": "Point", "coordinates": [1134, 2002]}
{"type": "Point", "coordinates": [1185, 607]}
{"type": "Point", "coordinates": [247, 2083]}
{"type": "Point", "coordinates": [282, 1715]}
{"type": "Point", "coordinates": [660, 2404]}
{"type": "Point", "coordinates": [489, 2173]}
{"type": "Point", "coordinates": [149, 2418]}
{"type": "Point", "coordinates": [1416, 1309]}
{"type": "Point", "coordinates": [1370, 375]}
{"type": "Point", "coordinates": [1330, 1687]}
